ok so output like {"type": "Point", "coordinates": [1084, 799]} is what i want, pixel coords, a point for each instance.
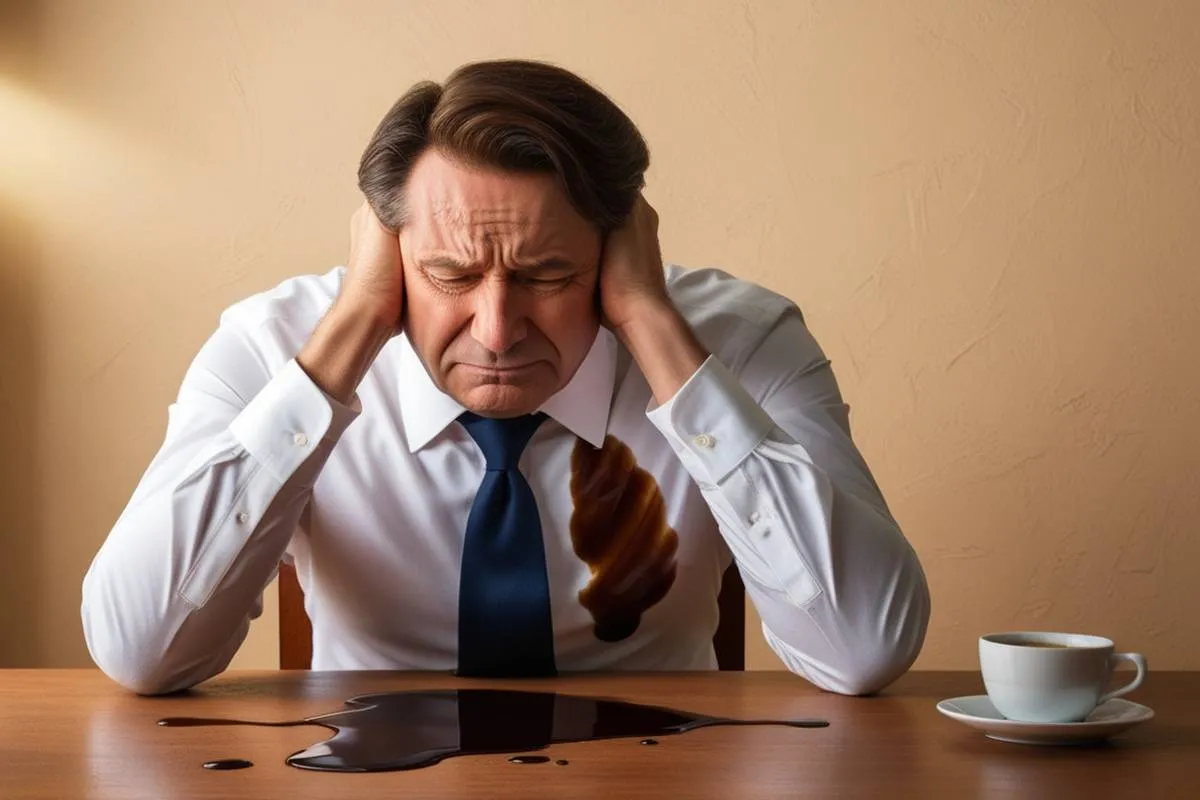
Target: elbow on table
{"type": "Point", "coordinates": [881, 657]}
{"type": "Point", "coordinates": [868, 671]}
{"type": "Point", "coordinates": [864, 661]}
{"type": "Point", "coordinates": [138, 673]}
{"type": "Point", "coordinates": [860, 680]}
{"type": "Point", "coordinates": [887, 643]}
{"type": "Point", "coordinates": [146, 682]}
{"type": "Point", "coordinates": [137, 667]}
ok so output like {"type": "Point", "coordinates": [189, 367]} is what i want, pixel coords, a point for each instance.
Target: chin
{"type": "Point", "coordinates": [502, 400]}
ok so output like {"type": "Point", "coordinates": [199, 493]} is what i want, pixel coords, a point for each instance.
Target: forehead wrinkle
{"type": "Point", "coordinates": [485, 220]}
{"type": "Point", "coordinates": [514, 252]}
{"type": "Point", "coordinates": [507, 238]}
{"type": "Point", "coordinates": [493, 223]}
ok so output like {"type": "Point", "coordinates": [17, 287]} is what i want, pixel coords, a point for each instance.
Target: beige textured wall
{"type": "Point", "coordinates": [988, 211]}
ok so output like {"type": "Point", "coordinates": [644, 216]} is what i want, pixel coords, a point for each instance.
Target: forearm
{"type": "Point", "coordinates": [170, 594]}
{"type": "Point", "coordinates": [841, 593]}
{"type": "Point", "coordinates": [665, 348]}
{"type": "Point", "coordinates": [832, 576]}
{"type": "Point", "coordinates": [163, 606]}
{"type": "Point", "coordinates": [342, 349]}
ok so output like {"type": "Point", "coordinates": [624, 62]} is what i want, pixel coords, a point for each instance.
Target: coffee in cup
{"type": "Point", "coordinates": [1051, 677]}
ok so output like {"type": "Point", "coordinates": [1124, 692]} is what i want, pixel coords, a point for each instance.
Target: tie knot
{"type": "Point", "coordinates": [501, 440]}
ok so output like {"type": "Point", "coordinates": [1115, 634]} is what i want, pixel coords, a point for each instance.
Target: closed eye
{"type": "Point", "coordinates": [452, 282]}
{"type": "Point", "coordinates": [547, 281]}
{"type": "Point", "coordinates": [547, 285]}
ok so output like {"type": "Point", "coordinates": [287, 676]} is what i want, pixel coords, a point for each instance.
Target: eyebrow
{"type": "Point", "coordinates": [451, 263]}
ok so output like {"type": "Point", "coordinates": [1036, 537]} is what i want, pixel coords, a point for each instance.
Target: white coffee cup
{"type": "Point", "coordinates": [1051, 677]}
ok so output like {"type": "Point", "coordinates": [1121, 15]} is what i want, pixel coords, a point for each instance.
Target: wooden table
{"type": "Point", "coordinates": [72, 733]}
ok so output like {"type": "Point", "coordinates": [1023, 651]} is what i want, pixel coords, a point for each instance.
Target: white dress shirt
{"type": "Point", "coordinates": [752, 457]}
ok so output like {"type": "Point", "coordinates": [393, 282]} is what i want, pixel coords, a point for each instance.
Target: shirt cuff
{"type": "Point", "coordinates": [285, 421]}
{"type": "Point", "coordinates": [712, 423]}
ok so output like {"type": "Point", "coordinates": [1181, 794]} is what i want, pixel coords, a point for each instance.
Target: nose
{"type": "Point", "coordinates": [499, 320]}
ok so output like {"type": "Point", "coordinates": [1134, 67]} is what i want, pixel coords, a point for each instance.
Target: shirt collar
{"type": "Point", "coordinates": [581, 406]}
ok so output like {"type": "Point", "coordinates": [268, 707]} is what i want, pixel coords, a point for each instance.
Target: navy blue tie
{"type": "Point", "coordinates": [504, 626]}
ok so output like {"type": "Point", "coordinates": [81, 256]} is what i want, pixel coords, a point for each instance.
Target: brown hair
{"type": "Point", "coordinates": [523, 116]}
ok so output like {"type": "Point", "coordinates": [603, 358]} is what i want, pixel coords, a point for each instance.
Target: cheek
{"type": "Point", "coordinates": [570, 323]}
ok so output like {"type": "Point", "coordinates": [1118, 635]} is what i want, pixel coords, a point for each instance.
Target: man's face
{"type": "Point", "coordinates": [499, 278]}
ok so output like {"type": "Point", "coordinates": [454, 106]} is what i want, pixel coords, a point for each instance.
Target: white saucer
{"type": "Point", "coordinates": [1107, 720]}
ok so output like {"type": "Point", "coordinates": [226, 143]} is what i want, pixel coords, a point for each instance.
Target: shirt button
{"type": "Point", "coordinates": [243, 517]}
{"type": "Point", "coordinates": [703, 440]}
{"type": "Point", "coordinates": [755, 517]}
{"type": "Point", "coordinates": [300, 439]}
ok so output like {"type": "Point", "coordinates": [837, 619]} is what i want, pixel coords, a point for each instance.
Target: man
{"type": "Point", "coordinates": [503, 440]}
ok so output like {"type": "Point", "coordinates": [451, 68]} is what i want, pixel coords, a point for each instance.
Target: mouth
{"type": "Point", "coordinates": [499, 373]}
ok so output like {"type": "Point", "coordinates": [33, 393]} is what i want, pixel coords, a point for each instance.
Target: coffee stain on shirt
{"type": "Point", "coordinates": [619, 529]}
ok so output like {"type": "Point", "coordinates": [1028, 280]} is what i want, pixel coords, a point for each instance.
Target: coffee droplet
{"type": "Point", "coordinates": [228, 763]}
{"type": "Point", "coordinates": [562, 762]}
{"type": "Point", "coordinates": [528, 760]}
{"type": "Point", "coordinates": [648, 741]}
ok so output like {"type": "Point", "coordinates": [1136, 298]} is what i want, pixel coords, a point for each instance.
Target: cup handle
{"type": "Point", "coordinates": [1139, 661]}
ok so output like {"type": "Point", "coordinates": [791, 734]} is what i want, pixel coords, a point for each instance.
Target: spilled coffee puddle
{"type": "Point", "coordinates": [406, 730]}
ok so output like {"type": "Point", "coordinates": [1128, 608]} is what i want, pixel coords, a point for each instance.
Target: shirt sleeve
{"type": "Point", "coordinates": [841, 593]}
{"type": "Point", "coordinates": [170, 595]}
